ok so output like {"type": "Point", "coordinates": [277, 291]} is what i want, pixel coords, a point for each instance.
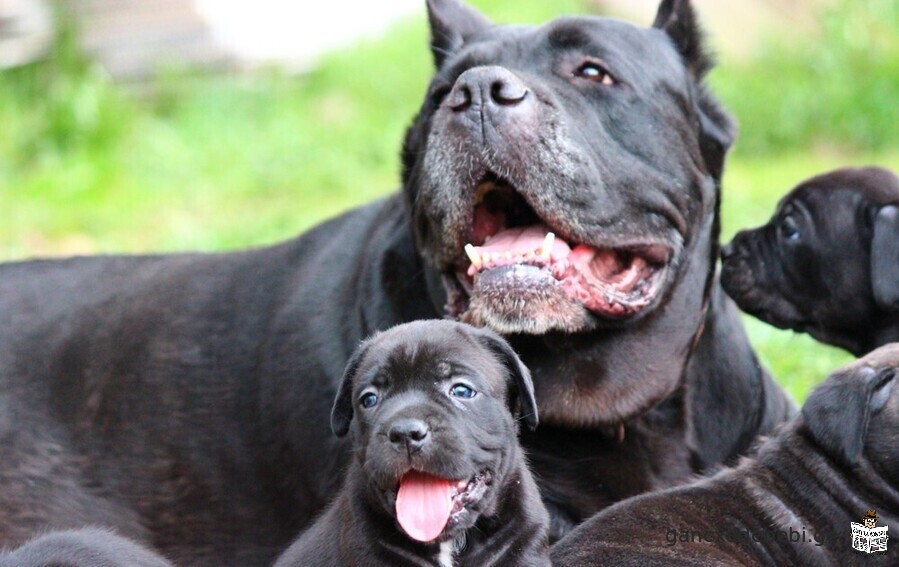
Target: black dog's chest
{"type": "Point", "coordinates": [581, 472]}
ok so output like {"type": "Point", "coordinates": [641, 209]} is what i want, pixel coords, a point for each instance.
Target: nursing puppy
{"type": "Point", "coordinates": [791, 505]}
{"type": "Point", "coordinates": [827, 263]}
{"type": "Point", "coordinates": [437, 476]}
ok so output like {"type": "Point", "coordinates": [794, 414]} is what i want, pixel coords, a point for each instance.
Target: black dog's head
{"type": "Point", "coordinates": [854, 414]}
{"type": "Point", "coordinates": [827, 263]}
{"type": "Point", "coordinates": [431, 406]}
{"type": "Point", "coordinates": [559, 176]}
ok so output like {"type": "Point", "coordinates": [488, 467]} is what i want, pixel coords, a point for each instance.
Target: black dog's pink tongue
{"type": "Point", "coordinates": [423, 505]}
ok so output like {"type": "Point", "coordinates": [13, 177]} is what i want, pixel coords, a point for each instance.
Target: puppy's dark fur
{"type": "Point", "coordinates": [827, 263]}
{"type": "Point", "coordinates": [790, 505]}
{"type": "Point", "coordinates": [412, 368]}
{"type": "Point", "coordinates": [184, 399]}
{"type": "Point", "coordinates": [82, 548]}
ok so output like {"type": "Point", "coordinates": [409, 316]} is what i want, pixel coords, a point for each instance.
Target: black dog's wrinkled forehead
{"type": "Point", "coordinates": [425, 351]}
{"type": "Point", "coordinates": [641, 58]}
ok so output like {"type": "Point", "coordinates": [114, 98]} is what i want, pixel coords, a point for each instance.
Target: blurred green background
{"type": "Point", "coordinates": [212, 162]}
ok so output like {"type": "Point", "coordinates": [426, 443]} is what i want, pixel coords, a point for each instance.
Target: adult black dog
{"type": "Point", "coordinates": [827, 263]}
{"type": "Point", "coordinates": [184, 399]}
{"type": "Point", "coordinates": [793, 504]}
{"type": "Point", "coordinates": [82, 548]}
{"type": "Point", "coordinates": [437, 475]}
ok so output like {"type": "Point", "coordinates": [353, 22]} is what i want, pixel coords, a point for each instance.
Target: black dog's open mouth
{"type": "Point", "coordinates": [428, 506]}
{"type": "Point", "coordinates": [512, 249]}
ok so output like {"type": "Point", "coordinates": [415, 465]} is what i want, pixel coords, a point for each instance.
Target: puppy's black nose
{"type": "Point", "coordinates": [409, 433]}
{"type": "Point", "coordinates": [487, 86]}
{"type": "Point", "coordinates": [727, 251]}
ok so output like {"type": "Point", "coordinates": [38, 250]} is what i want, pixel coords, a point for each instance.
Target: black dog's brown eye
{"type": "Point", "coordinates": [593, 71]}
{"type": "Point", "coordinates": [368, 400]}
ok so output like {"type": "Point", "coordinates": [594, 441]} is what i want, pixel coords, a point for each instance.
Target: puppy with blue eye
{"type": "Point", "coordinates": [437, 475]}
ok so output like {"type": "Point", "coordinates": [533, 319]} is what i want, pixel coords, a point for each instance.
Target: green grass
{"type": "Point", "coordinates": [836, 89]}
{"type": "Point", "coordinates": [223, 162]}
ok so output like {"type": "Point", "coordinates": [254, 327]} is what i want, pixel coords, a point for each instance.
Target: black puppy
{"type": "Point", "coordinates": [827, 263]}
{"type": "Point", "coordinates": [183, 399]}
{"type": "Point", "coordinates": [437, 475]}
{"type": "Point", "coordinates": [793, 504]}
{"type": "Point", "coordinates": [82, 548]}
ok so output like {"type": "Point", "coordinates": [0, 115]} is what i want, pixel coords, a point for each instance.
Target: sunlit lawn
{"type": "Point", "coordinates": [211, 163]}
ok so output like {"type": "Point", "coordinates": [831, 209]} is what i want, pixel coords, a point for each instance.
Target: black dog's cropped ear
{"type": "Point", "coordinates": [342, 410]}
{"type": "Point", "coordinates": [885, 258]}
{"type": "Point", "coordinates": [837, 413]}
{"type": "Point", "coordinates": [452, 22]}
{"type": "Point", "coordinates": [522, 387]}
{"type": "Point", "coordinates": [678, 19]}
{"type": "Point", "coordinates": [717, 129]}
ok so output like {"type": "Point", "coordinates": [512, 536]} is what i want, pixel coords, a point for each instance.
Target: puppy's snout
{"type": "Point", "coordinates": [408, 434]}
{"type": "Point", "coordinates": [728, 251]}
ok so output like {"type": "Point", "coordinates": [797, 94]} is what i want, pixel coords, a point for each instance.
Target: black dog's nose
{"type": "Point", "coordinates": [482, 86]}
{"type": "Point", "coordinates": [410, 433]}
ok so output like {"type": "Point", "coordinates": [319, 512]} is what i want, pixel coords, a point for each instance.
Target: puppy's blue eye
{"type": "Point", "coordinates": [462, 391]}
{"type": "Point", "coordinates": [788, 229]}
{"type": "Point", "coordinates": [368, 400]}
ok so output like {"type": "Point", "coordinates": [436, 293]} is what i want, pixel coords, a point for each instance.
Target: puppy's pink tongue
{"type": "Point", "coordinates": [423, 505]}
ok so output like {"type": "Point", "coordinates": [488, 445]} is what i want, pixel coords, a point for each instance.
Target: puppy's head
{"type": "Point", "coordinates": [432, 407]}
{"type": "Point", "coordinates": [827, 263]}
{"type": "Point", "coordinates": [854, 414]}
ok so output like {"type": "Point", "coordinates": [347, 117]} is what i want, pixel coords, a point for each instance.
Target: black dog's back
{"type": "Point", "coordinates": [129, 390]}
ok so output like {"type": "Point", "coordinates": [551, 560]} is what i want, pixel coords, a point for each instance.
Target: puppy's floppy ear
{"type": "Point", "coordinates": [837, 413]}
{"type": "Point", "coordinates": [342, 410]}
{"type": "Point", "coordinates": [452, 22]}
{"type": "Point", "coordinates": [717, 129]}
{"type": "Point", "coordinates": [885, 258]}
{"type": "Point", "coordinates": [521, 386]}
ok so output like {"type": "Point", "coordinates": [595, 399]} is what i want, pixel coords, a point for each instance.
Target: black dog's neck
{"type": "Point", "coordinates": [519, 524]}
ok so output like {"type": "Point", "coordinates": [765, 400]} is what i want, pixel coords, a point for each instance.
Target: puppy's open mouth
{"type": "Point", "coordinates": [515, 252]}
{"type": "Point", "coordinates": [427, 506]}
